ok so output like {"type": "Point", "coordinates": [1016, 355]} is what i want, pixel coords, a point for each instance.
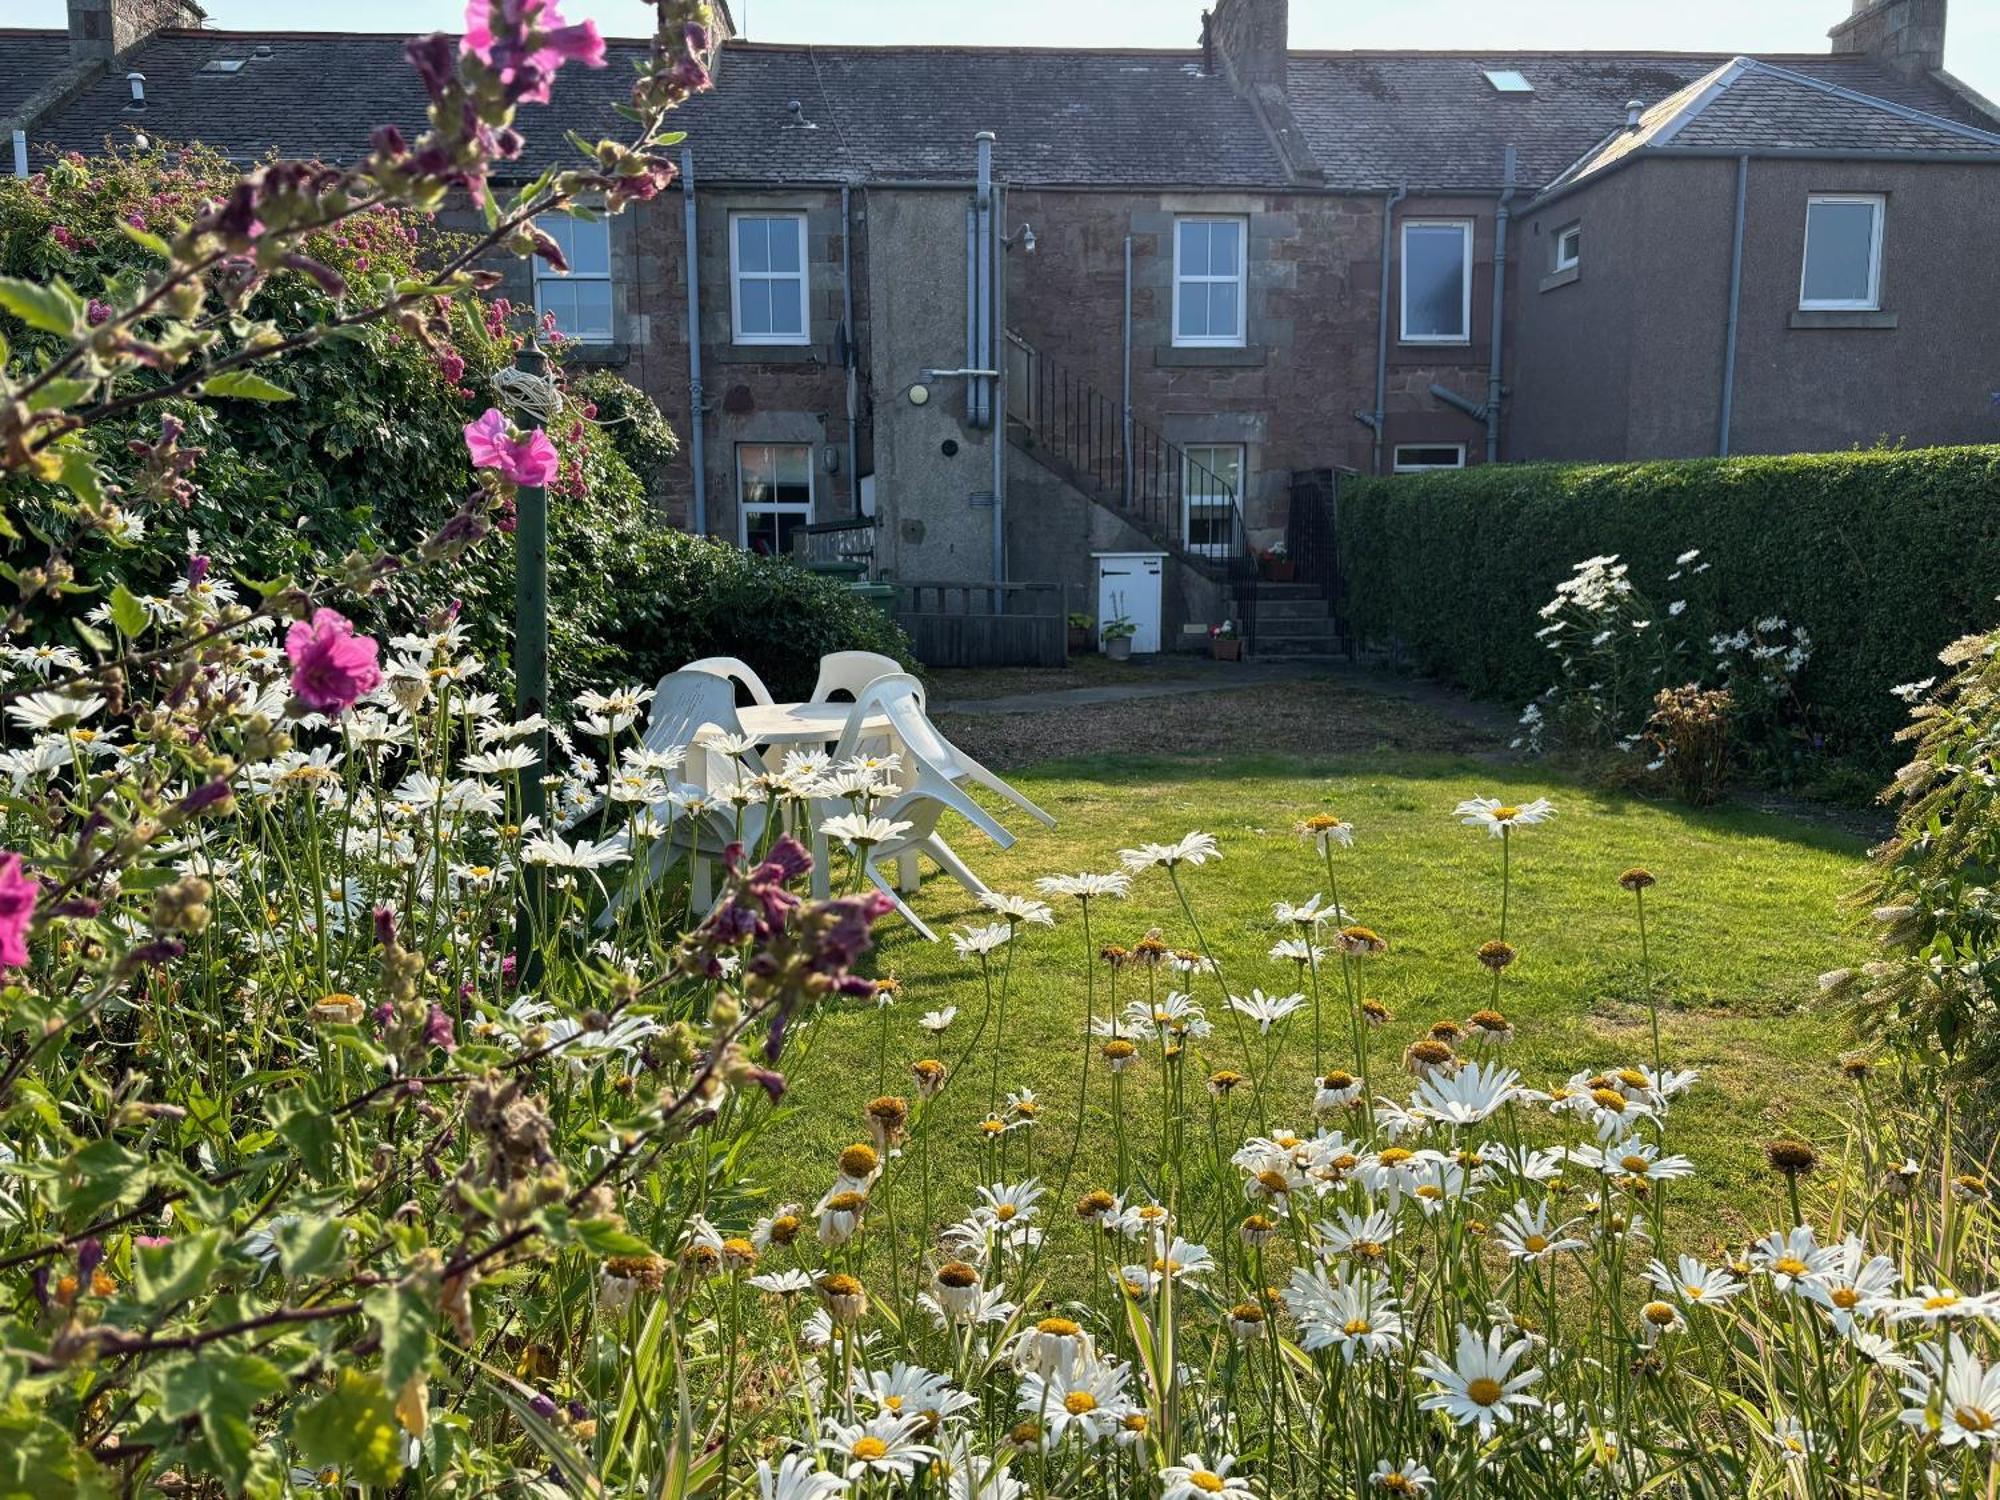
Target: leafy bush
{"type": "Point", "coordinates": [1689, 732]}
{"type": "Point", "coordinates": [1935, 984]}
{"type": "Point", "coordinates": [1883, 557]}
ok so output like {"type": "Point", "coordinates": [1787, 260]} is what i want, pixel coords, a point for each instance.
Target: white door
{"type": "Point", "coordinates": [1128, 586]}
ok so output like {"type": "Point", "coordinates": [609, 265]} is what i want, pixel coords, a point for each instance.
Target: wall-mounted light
{"type": "Point", "coordinates": [919, 394]}
{"type": "Point", "coordinates": [1024, 237]}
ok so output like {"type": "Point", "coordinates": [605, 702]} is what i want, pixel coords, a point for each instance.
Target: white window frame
{"type": "Point", "coordinates": [544, 272]}
{"type": "Point", "coordinates": [1574, 258]}
{"type": "Point", "coordinates": [1242, 280]}
{"type": "Point", "coordinates": [1397, 465]}
{"type": "Point", "coordinates": [1464, 227]}
{"type": "Point", "coordinates": [1188, 461]}
{"type": "Point", "coordinates": [1879, 202]}
{"type": "Point", "coordinates": [737, 276]}
{"type": "Point", "coordinates": [744, 509]}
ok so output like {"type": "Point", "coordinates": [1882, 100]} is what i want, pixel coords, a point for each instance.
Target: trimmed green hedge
{"type": "Point", "coordinates": [1884, 556]}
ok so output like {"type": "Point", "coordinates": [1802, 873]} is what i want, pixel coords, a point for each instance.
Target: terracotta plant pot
{"type": "Point", "coordinates": [1280, 571]}
{"type": "Point", "coordinates": [1082, 640]}
{"type": "Point", "coordinates": [1226, 650]}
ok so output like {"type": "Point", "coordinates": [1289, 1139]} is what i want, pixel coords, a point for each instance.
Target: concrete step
{"type": "Point", "coordinates": [1264, 646]}
{"type": "Point", "coordinates": [1289, 609]}
{"type": "Point", "coordinates": [1293, 630]}
{"type": "Point", "coordinates": [1265, 589]}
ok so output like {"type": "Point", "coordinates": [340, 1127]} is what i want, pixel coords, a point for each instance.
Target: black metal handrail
{"type": "Point", "coordinates": [1312, 541]}
{"type": "Point", "coordinates": [841, 544]}
{"type": "Point", "coordinates": [1161, 490]}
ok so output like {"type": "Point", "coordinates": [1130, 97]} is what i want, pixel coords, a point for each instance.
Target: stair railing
{"type": "Point", "coordinates": [1080, 431]}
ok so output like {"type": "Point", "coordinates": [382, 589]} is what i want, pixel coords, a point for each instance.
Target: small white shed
{"type": "Point", "coordinates": [1129, 584]}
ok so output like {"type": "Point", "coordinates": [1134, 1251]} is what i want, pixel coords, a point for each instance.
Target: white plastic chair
{"type": "Point", "coordinates": [921, 812]}
{"type": "Point", "coordinates": [684, 704]}
{"type": "Point", "coordinates": [735, 671]}
{"type": "Point", "coordinates": [913, 728]}
{"type": "Point", "coordinates": [930, 765]}
{"type": "Point", "coordinates": [850, 671]}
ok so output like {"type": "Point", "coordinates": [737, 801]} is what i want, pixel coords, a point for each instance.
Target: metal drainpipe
{"type": "Point", "coordinates": [1735, 303]}
{"type": "Point", "coordinates": [1382, 325]}
{"type": "Point", "coordinates": [971, 312]}
{"type": "Point", "coordinates": [983, 355]}
{"type": "Point", "coordinates": [1501, 215]}
{"type": "Point", "coordinates": [21, 154]}
{"type": "Point", "coordinates": [998, 364]}
{"type": "Point", "coordinates": [696, 448]}
{"type": "Point", "coordinates": [853, 357]}
{"type": "Point", "coordinates": [1125, 400]}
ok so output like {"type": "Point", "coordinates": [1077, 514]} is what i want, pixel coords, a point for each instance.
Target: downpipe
{"type": "Point", "coordinates": [696, 447]}
{"type": "Point", "coordinates": [1376, 419]}
{"type": "Point", "coordinates": [1502, 214]}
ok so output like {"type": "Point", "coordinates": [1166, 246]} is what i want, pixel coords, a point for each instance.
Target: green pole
{"type": "Point", "coordinates": [531, 665]}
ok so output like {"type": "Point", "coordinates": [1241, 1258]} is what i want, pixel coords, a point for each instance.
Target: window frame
{"type": "Point", "coordinates": [1879, 202]}
{"type": "Point", "coordinates": [1465, 228]}
{"type": "Point", "coordinates": [1240, 339]}
{"type": "Point", "coordinates": [803, 276]}
{"type": "Point", "coordinates": [544, 272]}
{"type": "Point", "coordinates": [1397, 466]}
{"type": "Point", "coordinates": [1188, 451]}
{"type": "Point", "coordinates": [744, 509]}
{"type": "Point", "coordinates": [1575, 257]}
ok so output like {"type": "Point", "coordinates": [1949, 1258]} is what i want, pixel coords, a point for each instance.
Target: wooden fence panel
{"type": "Point", "coordinates": [984, 624]}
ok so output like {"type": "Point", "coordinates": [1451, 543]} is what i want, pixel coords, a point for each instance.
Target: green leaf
{"type": "Point", "coordinates": [404, 1320]}
{"type": "Point", "coordinates": [60, 393]}
{"type": "Point", "coordinates": [309, 1247]}
{"type": "Point", "coordinates": [146, 240]}
{"type": "Point", "coordinates": [353, 1428]}
{"type": "Point", "coordinates": [604, 1237]}
{"type": "Point", "coordinates": [39, 1462]}
{"type": "Point", "coordinates": [306, 1126]}
{"type": "Point", "coordinates": [127, 613]}
{"type": "Point", "coordinates": [79, 476]}
{"type": "Point", "coordinates": [171, 1273]}
{"type": "Point", "coordinates": [51, 307]}
{"type": "Point", "coordinates": [246, 384]}
{"type": "Point", "coordinates": [222, 1390]}
{"type": "Point", "coordinates": [102, 1174]}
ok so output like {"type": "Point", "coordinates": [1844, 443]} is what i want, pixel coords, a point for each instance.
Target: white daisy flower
{"type": "Point", "coordinates": [1497, 817]}
{"type": "Point", "coordinates": [797, 1477]}
{"type": "Point", "coordinates": [1480, 1387]}
{"type": "Point", "coordinates": [1085, 887]}
{"type": "Point", "coordinates": [1189, 849]}
{"type": "Point", "coordinates": [1195, 1478]}
{"type": "Point", "coordinates": [885, 1445]}
{"type": "Point", "coordinates": [1692, 1282]}
{"type": "Point", "coordinates": [1527, 1234]}
{"type": "Point", "coordinates": [1472, 1094]}
{"type": "Point", "coordinates": [1358, 1314]}
{"type": "Point", "coordinates": [1018, 909]}
{"type": "Point", "coordinates": [1266, 1010]}
{"type": "Point", "coordinates": [977, 942]}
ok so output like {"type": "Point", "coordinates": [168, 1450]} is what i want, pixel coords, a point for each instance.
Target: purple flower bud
{"type": "Point", "coordinates": [435, 60]}
{"type": "Point", "coordinates": [204, 797]}
{"type": "Point", "coordinates": [89, 1256]}
{"type": "Point", "coordinates": [542, 1406]}
{"type": "Point", "coordinates": [197, 568]}
{"type": "Point", "coordinates": [438, 1032]}
{"type": "Point", "coordinates": [159, 951]}
{"type": "Point", "coordinates": [388, 140]}
{"type": "Point", "coordinates": [385, 926]}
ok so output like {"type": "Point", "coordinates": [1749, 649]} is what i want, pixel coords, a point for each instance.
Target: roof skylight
{"type": "Point", "coordinates": [1508, 81]}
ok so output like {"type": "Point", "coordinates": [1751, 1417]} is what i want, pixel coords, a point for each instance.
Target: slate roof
{"type": "Point", "coordinates": [28, 59]}
{"type": "Point", "coordinates": [1372, 120]}
{"type": "Point", "coordinates": [1751, 105]}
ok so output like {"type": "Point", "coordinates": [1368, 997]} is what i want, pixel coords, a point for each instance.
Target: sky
{"type": "Point", "coordinates": [1752, 26]}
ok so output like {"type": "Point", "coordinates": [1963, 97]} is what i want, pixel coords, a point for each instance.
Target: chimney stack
{"type": "Point", "coordinates": [1905, 36]}
{"type": "Point", "coordinates": [1250, 37]}
{"type": "Point", "coordinates": [100, 30]}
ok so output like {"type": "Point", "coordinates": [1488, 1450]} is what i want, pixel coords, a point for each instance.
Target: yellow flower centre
{"type": "Point", "coordinates": [1005, 1212]}
{"type": "Point", "coordinates": [1060, 1328]}
{"type": "Point", "coordinates": [1207, 1483]}
{"type": "Point", "coordinates": [1484, 1391]}
{"type": "Point", "coordinates": [1942, 1300]}
{"type": "Point", "coordinates": [1608, 1099]}
{"type": "Point", "coordinates": [1632, 1078]}
{"type": "Point", "coordinates": [867, 1449]}
{"type": "Point", "coordinates": [1077, 1403]}
{"type": "Point", "coordinates": [1846, 1298]}
{"type": "Point", "coordinates": [1273, 1182]}
{"type": "Point", "coordinates": [1506, 814]}
{"type": "Point", "coordinates": [1395, 1156]}
{"type": "Point", "coordinates": [1535, 1244]}
{"type": "Point", "coordinates": [892, 1403]}
{"type": "Point", "coordinates": [1694, 1293]}
{"type": "Point", "coordinates": [1636, 1165]}
{"type": "Point", "coordinates": [1367, 1249]}
{"type": "Point", "coordinates": [1973, 1418]}
{"type": "Point", "coordinates": [1789, 1265]}
{"type": "Point", "coordinates": [1396, 1483]}
{"type": "Point", "coordinates": [1430, 1190]}
{"type": "Point", "coordinates": [1356, 1327]}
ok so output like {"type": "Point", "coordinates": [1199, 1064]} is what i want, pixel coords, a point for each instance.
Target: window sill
{"type": "Point", "coordinates": [1434, 343]}
{"type": "Point", "coordinates": [1842, 318]}
{"type": "Point", "coordinates": [767, 354]}
{"type": "Point", "coordinates": [1189, 356]}
{"type": "Point", "coordinates": [1563, 277]}
{"type": "Point", "coordinates": [596, 354]}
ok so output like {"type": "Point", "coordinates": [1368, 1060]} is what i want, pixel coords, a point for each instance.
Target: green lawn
{"type": "Point", "coordinates": [1745, 915]}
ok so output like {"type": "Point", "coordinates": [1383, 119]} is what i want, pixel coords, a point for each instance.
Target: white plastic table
{"type": "Point", "coordinates": [803, 724]}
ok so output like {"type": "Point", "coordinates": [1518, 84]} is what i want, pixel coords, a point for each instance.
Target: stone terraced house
{"type": "Point", "coordinates": [1112, 320]}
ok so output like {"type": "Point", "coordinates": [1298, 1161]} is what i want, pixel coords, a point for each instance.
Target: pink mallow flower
{"type": "Point", "coordinates": [331, 665]}
{"type": "Point", "coordinates": [528, 460]}
{"type": "Point", "coordinates": [18, 894]}
{"type": "Point", "coordinates": [531, 73]}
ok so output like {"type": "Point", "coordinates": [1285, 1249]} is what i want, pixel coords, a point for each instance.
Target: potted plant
{"type": "Point", "coordinates": [1118, 633]}
{"type": "Point", "coordinates": [1082, 634]}
{"type": "Point", "coordinates": [1276, 563]}
{"type": "Point", "coordinates": [1224, 644]}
